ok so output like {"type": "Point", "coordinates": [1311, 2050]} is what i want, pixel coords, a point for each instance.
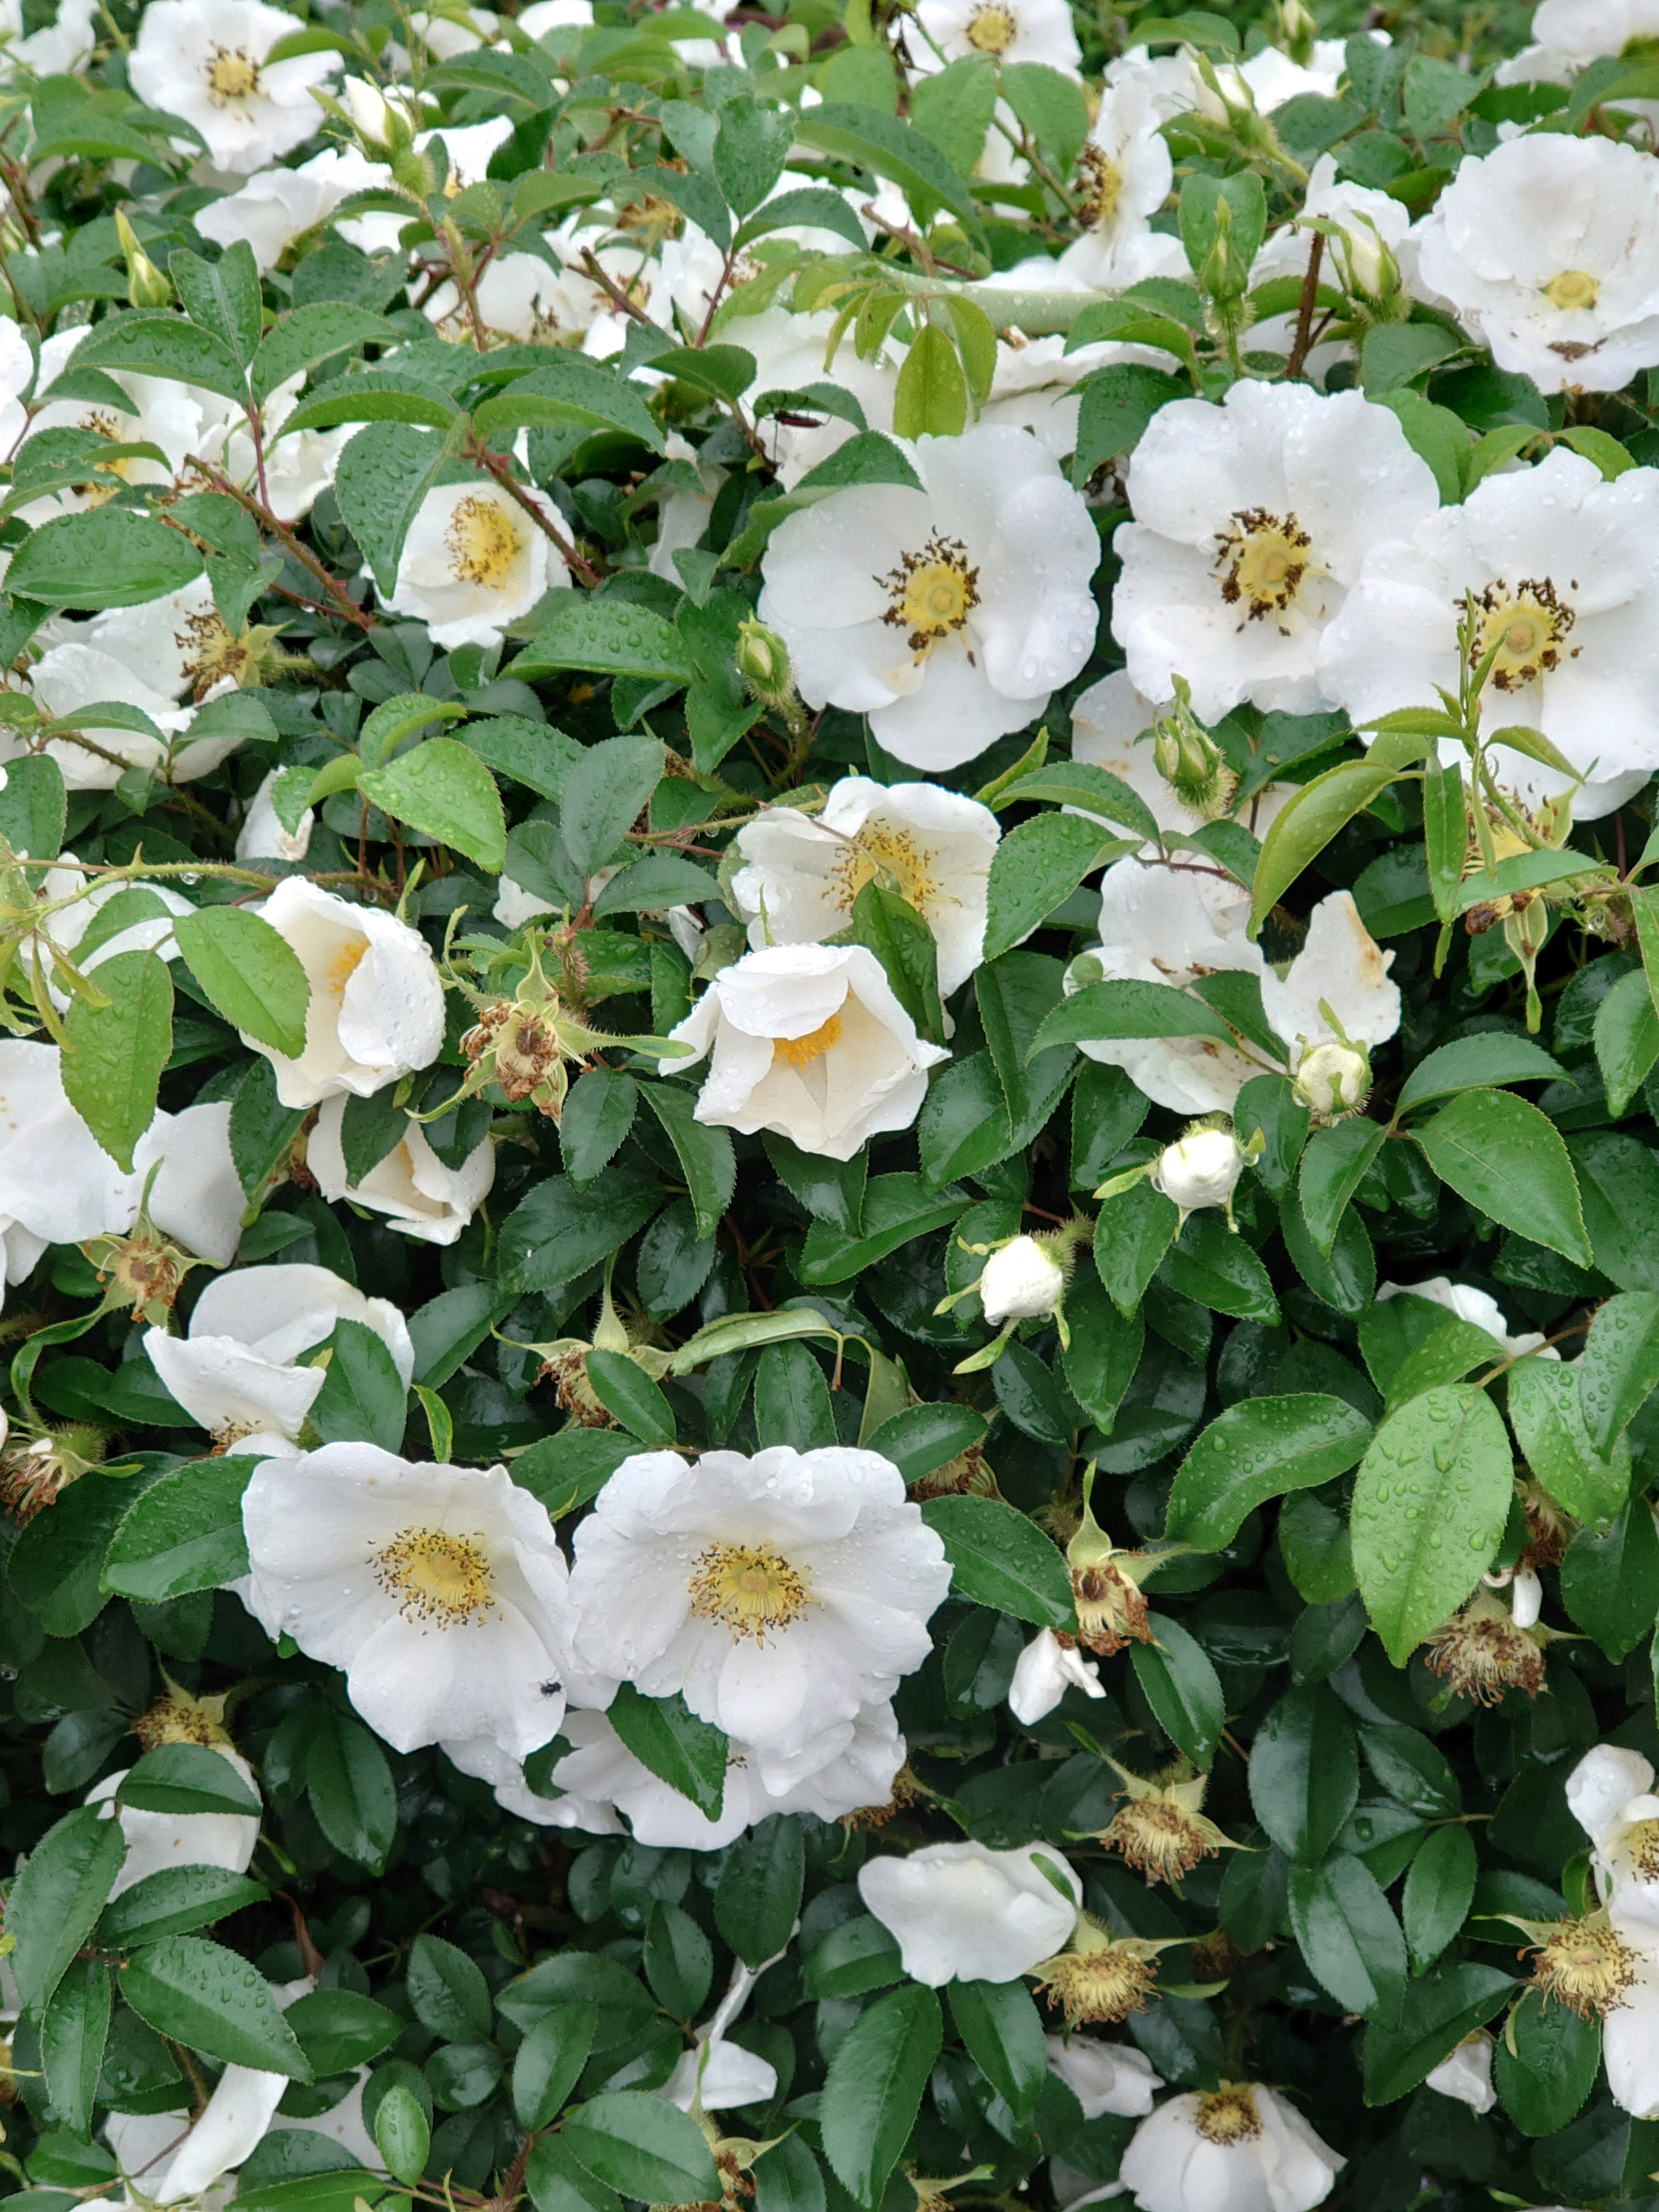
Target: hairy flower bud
{"type": "Point", "coordinates": [1333, 1080]}
{"type": "Point", "coordinates": [1022, 1282]}
{"type": "Point", "coordinates": [147, 287]}
{"type": "Point", "coordinates": [762, 660]}
{"type": "Point", "coordinates": [1200, 1168]}
{"type": "Point", "coordinates": [1190, 760]}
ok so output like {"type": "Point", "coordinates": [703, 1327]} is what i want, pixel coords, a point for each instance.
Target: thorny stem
{"type": "Point", "coordinates": [612, 290]}
{"type": "Point", "coordinates": [497, 465]}
{"type": "Point", "coordinates": [460, 268]}
{"type": "Point", "coordinates": [1304, 314]}
{"type": "Point", "coordinates": [339, 598]}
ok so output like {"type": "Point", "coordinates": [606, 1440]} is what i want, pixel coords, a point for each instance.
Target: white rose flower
{"type": "Point", "coordinates": [377, 1004]}
{"type": "Point", "coordinates": [69, 926]}
{"type": "Point", "coordinates": [236, 1372]}
{"type": "Point", "coordinates": [1238, 2149]}
{"type": "Point", "coordinates": [791, 352]}
{"type": "Point", "coordinates": [1630, 2029]}
{"type": "Point", "coordinates": [601, 1777]}
{"type": "Point", "coordinates": [158, 1840]}
{"type": "Point", "coordinates": [158, 412]}
{"type": "Point", "coordinates": [947, 615]}
{"type": "Point", "coordinates": [295, 468]}
{"type": "Point", "coordinates": [1610, 1795]}
{"type": "Point", "coordinates": [1479, 1308]}
{"type": "Point", "coordinates": [1563, 571]}
{"type": "Point", "coordinates": [1104, 2077]}
{"type": "Point", "coordinates": [1022, 1281]}
{"type": "Point", "coordinates": [544, 15]}
{"type": "Point", "coordinates": [440, 1591]}
{"type": "Point", "coordinates": [811, 1041]}
{"type": "Point", "coordinates": [1127, 174]}
{"type": "Point", "coordinates": [1252, 521]}
{"type": "Point", "coordinates": [205, 60]}
{"type": "Point", "coordinates": [1547, 250]}
{"type": "Point", "coordinates": [1162, 925]}
{"type": "Point", "coordinates": [474, 562]}
{"type": "Point", "coordinates": [72, 676]}
{"type": "Point", "coordinates": [963, 1912]}
{"type": "Point", "coordinates": [1008, 30]}
{"type": "Point", "coordinates": [65, 45]}
{"type": "Point", "coordinates": [1201, 1170]}
{"type": "Point", "coordinates": [443, 36]}
{"type": "Point", "coordinates": [262, 836]}
{"type": "Point", "coordinates": [802, 872]}
{"type": "Point", "coordinates": [1466, 2074]}
{"type": "Point", "coordinates": [421, 1196]}
{"type": "Point", "coordinates": [58, 1185]}
{"type": "Point", "coordinates": [17, 375]}
{"type": "Point", "coordinates": [778, 1594]}
{"type": "Point", "coordinates": [274, 207]}
{"type": "Point", "coordinates": [1371, 221]}
{"type": "Point", "coordinates": [236, 2120]}
{"type": "Point", "coordinates": [1587, 29]}
{"type": "Point", "coordinates": [1044, 1673]}
{"type": "Point", "coordinates": [519, 297]}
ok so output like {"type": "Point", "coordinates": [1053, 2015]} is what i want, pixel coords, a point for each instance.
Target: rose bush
{"type": "Point", "coordinates": [829, 1137]}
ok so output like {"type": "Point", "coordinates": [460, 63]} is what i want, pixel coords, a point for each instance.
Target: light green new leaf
{"type": "Point", "coordinates": [1430, 1504]}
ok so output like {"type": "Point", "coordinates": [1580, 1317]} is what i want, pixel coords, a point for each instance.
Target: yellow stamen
{"type": "Point", "coordinates": [803, 1051]}
{"type": "Point", "coordinates": [232, 73]}
{"type": "Point", "coordinates": [1528, 625]}
{"type": "Point", "coordinates": [482, 542]}
{"type": "Point", "coordinates": [438, 1580]}
{"type": "Point", "coordinates": [1572, 288]}
{"type": "Point", "coordinates": [1262, 561]}
{"type": "Point", "coordinates": [750, 1589]}
{"type": "Point", "coordinates": [992, 29]}
{"type": "Point", "coordinates": [932, 593]}
{"type": "Point", "coordinates": [345, 963]}
{"type": "Point", "coordinates": [1227, 2115]}
{"type": "Point", "coordinates": [1584, 1967]}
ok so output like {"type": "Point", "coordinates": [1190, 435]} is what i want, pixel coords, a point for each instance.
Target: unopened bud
{"type": "Point", "coordinates": [1223, 274]}
{"type": "Point", "coordinates": [1333, 1080]}
{"type": "Point", "coordinates": [1370, 266]}
{"type": "Point", "coordinates": [1298, 30]}
{"type": "Point", "coordinates": [1189, 758]}
{"type": "Point", "coordinates": [1200, 1168]}
{"type": "Point", "coordinates": [382, 123]}
{"type": "Point", "coordinates": [1218, 100]}
{"type": "Point", "coordinates": [1022, 1282]}
{"type": "Point", "coordinates": [146, 285]}
{"type": "Point", "coordinates": [762, 660]}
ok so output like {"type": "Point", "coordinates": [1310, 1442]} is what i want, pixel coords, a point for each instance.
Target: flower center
{"type": "Point", "coordinates": [1483, 1655]}
{"type": "Point", "coordinates": [1262, 562]}
{"type": "Point", "coordinates": [210, 650]}
{"type": "Point", "coordinates": [931, 592]}
{"type": "Point", "coordinates": [1642, 1841]}
{"type": "Point", "coordinates": [1099, 1981]}
{"type": "Point", "coordinates": [345, 963]}
{"type": "Point", "coordinates": [750, 1589]}
{"type": "Point", "coordinates": [1528, 626]}
{"type": "Point", "coordinates": [876, 848]}
{"type": "Point", "coordinates": [1572, 288]}
{"type": "Point", "coordinates": [232, 73]}
{"type": "Point", "coordinates": [1110, 1609]}
{"type": "Point", "coordinates": [482, 542]}
{"type": "Point", "coordinates": [441, 1581]}
{"type": "Point", "coordinates": [992, 29]}
{"type": "Point", "coordinates": [1160, 1840]}
{"type": "Point", "coordinates": [1585, 1968]}
{"type": "Point", "coordinates": [803, 1051]}
{"type": "Point", "coordinates": [1103, 186]}
{"type": "Point", "coordinates": [1228, 2116]}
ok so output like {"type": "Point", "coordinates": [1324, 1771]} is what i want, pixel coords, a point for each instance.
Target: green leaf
{"type": "Point", "coordinates": [750, 148]}
{"type": "Point", "coordinates": [870, 140]}
{"type": "Point", "coordinates": [643, 2147]}
{"type": "Point", "coordinates": [1210, 1264]}
{"type": "Point", "coordinates": [792, 1399]}
{"type": "Point", "coordinates": [1100, 1361]}
{"type": "Point", "coordinates": [653, 881]}
{"type": "Point", "coordinates": [161, 345]}
{"type": "Point", "coordinates": [1438, 1893]}
{"type": "Point", "coordinates": [897, 1209]}
{"type": "Point", "coordinates": [931, 397]}
{"type": "Point", "coordinates": [1619, 1366]}
{"type": "Point", "coordinates": [1116, 405]}
{"type": "Point", "coordinates": [1133, 1232]}
{"type": "Point", "coordinates": [403, 2134]}
{"type": "Point", "coordinates": [873, 2090]}
{"type": "Point", "coordinates": [628, 1394]}
{"type": "Point", "coordinates": [1627, 1039]}
{"type": "Point", "coordinates": [1037, 868]}
{"type": "Point", "coordinates": [558, 1233]}
{"type": "Point", "coordinates": [1476, 1063]}
{"type": "Point", "coordinates": [1414, 1771]}
{"type": "Point", "coordinates": [854, 1959]}
{"type": "Point", "coordinates": [55, 1568]}
{"type": "Point", "coordinates": [223, 296]}
{"type": "Point", "coordinates": [1445, 819]}
{"type": "Point", "coordinates": [757, 1897]}
{"type": "Point", "coordinates": [1304, 1774]}
{"type": "Point", "coordinates": [1108, 1012]}
{"type": "Point", "coordinates": [1049, 103]}
{"type": "Point", "coordinates": [311, 334]}
{"type": "Point", "coordinates": [1610, 1579]}
{"type": "Point", "coordinates": [1546, 1413]}
{"type": "Point", "coordinates": [184, 1533]}
{"type": "Point", "coordinates": [1182, 1687]}
{"type": "Point", "coordinates": [1075, 783]}
{"type": "Point", "coordinates": [73, 2035]}
{"type": "Point", "coordinates": [1348, 1935]}
{"type": "Point", "coordinates": [448, 1992]}
{"type": "Point", "coordinates": [33, 807]}
{"type": "Point", "coordinates": [1545, 2064]}
{"type": "Point", "coordinates": [1428, 1508]}
{"type": "Point", "coordinates": [55, 1901]}
{"type": "Point", "coordinates": [362, 1399]}
{"type": "Point", "coordinates": [1302, 828]}
{"type": "Point", "coordinates": [174, 1902]}
{"type": "Point", "coordinates": [663, 1734]}
{"type": "Point", "coordinates": [599, 1113]}
{"type": "Point", "coordinates": [892, 929]}
{"type": "Point", "coordinates": [111, 1067]}
{"type": "Point", "coordinates": [201, 1995]}
{"type": "Point", "coordinates": [349, 1781]}
{"type": "Point", "coordinates": [1332, 1166]}
{"type": "Point", "coordinates": [1003, 2032]}
{"type": "Point", "coordinates": [444, 790]}
{"type": "Point", "coordinates": [548, 2062]}
{"type": "Point", "coordinates": [105, 556]}
{"type": "Point", "coordinates": [704, 1152]}
{"type": "Point", "coordinates": [1509, 1160]}
{"type": "Point", "coordinates": [339, 2030]}
{"type": "Point", "coordinates": [678, 1961]}
{"type": "Point", "coordinates": [609, 638]}
{"type": "Point", "coordinates": [999, 1558]}
{"type": "Point", "coordinates": [1436, 2014]}
{"type": "Point", "coordinates": [186, 1777]}
{"type": "Point", "coordinates": [384, 474]}
{"type": "Point", "coordinates": [605, 792]}
{"type": "Point", "coordinates": [252, 974]}
{"type": "Point", "coordinates": [1258, 1449]}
